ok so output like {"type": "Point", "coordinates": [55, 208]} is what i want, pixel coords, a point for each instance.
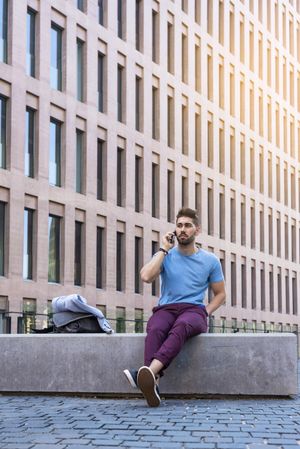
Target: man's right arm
{"type": "Point", "coordinates": [151, 270]}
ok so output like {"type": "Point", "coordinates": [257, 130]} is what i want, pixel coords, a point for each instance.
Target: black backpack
{"type": "Point", "coordinates": [71, 323]}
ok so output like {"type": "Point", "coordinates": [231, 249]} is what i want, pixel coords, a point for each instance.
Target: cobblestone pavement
{"type": "Point", "coordinates": [56, 422]}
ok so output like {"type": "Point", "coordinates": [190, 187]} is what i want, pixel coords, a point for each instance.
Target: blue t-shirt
{"type": "Point", "coordinates": [186, 278]}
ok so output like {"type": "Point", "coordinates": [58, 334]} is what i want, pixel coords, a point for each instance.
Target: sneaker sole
{"type": "Point", "coordinates": [130, 378]}
{"type": "Point", "coordinates": [147, 385]}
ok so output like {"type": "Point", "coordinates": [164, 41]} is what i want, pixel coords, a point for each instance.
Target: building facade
{"type": "Point", "coordinates": [114, 114]}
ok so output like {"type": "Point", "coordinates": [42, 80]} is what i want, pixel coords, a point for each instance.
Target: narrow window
{"type": "Point", "coordinates": [29, 142]}
{"type": "Point", "coordinates": [242, 100]}
{"type": "Point", "coordinates": [293, 236]}
{"type": "Point", "coordinates": [279, 292]}
{"type": "Point", "coordinates": [155, 113]}
{"type": "Point", "coordinates": [233, 282]}
{"type": "Point", "coordinates": [138, 261]}
{"type": "Point", "coordinates": [54, 249]}
{"type": "Point", "coordinates": [56, 57]}
{"type": "Point", "coordinates": [243, 220]}
{"type": "Point", "coordinates": [79, 161]}
{"type": "Point", "coordinates": [55, 153]}
{"type": "Point", "coordinates": [138, 103]}
{"type": "Point", "coordinates": [271, 289]}
{"type": "Point", "coordinates": [252, 165]}
{"type": "Point", "coordinates": [3, 108]}
{"type": "Point", "coordinates": [232, 218]}
{"type": "Point", "coordinates": [30, 44]}
{"type": "Point", "coordinates": [120, 262]}
{"type": "Point", "coordinates": [210, 17]}
{"type": "Point", "coordinates": [101, 59]}
{"type": "Point", "coordinates": [121, 320]}
{"type": "Point", "coordinates": [170, 56]}
{"type": "Point", "coordinates": [29, 315]}
{"type": "Point", "coordinates": [270, 231]}
{"type": "Point", "coordinates": [184, 191]}
{"type": "Point", "coordinates": [232, 91]}
{"type": "Point", "coordinates": [80, 71]}
{"type": "Point", "coordinates": [100, 258]}
{"type": "Point", "coordinates": [286, 238]}
{"type": "Point", "coordinates": [262, 228]}
{"type": "Point", "coordinates": [232, 153]}
{"type": "Point", "coordinates": [210, 211]}
{"type": "Point", "coordinates": [101, 173]}
{"type": "Point", "coordinates": [138, 321]}
{"type": "Point", "coordinates": [244, 285]}
{"type": "Point", "coordinates": [184, 129]}
{"type": "Point", "coordinates": [121, 18]}
{"type": "Point", "coordinates": [120, 177]}
{"type": "Point", "coordinates": [120, 91]}
{"type": "Point", "coordinates": [209, 78]}
{"type": "Point", "coordinates": [252, 220]}
{"type": "Point", "coordinates": [198, 195]}
{"type": "Point", "coordinates": [184, 58]}
{"type": "Point", "coordinates": [270, 176]}
{"type": "Point", "coordinates": [261, 170]}
{"type": "Point", "coordinates": [231, 29]}
{"type": "Point", "coordinates": [253, 286]}
{"type": "Point", "coordinates": [221, 148]}
{"type": "Point", "coordinates": [138, 183]}
{"type": "Point", "coordinates": [287, 294]}
{"type": "Point", "coordinates": [222, 213]}
{"type": "Point", "coordinates": [155, 190]}
{"type": "Point", "coordinates": [171, 118]}
{"type": "Point", "coordinates": [198, 11]}
{"type": "Point", "coordinates": [263, 288]}
{"type": "Point", "coordinates": [198, 68]}
{"type": "Point", "coordinates": [3, 30]}
{"type": "Point", "coordinates": [155, 36]}
{"type": "Point", "coordinates": [242, 160]}
{"type": "Point", "coordinates": [210, 143]}
{"type": "Point", "coordinates": [278, 233]}
{"type": "Point", "coordinates": [28, 244]}
{"type": "Point", "coordinates": [170, 194]}
{"type": "Point", "coordinates": [198, 136]}
{"type": "Point", "coordinates": [278, 195]}
{"type": "Point", "coordinates": [295, 295]}
{"type": "Point", "coordinates": [138, 25]}
{"type": "Point", "coordinates": [242, 39]}
{"type": "Point", "coordinates": [78, 253]}
{"type": "Point", "coordinates": [2, 239]}
{"type": "Point", "coordinates": [221, 21]}
{"type": "Point", "coordinates": [80, 5]}
{"type": "Point", "coordinates": [102, 7]}
{"type": "Point", "coordinates": [251, 47]}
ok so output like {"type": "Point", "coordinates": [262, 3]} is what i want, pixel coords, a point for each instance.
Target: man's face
{"type": "Point", "coordinates": [186, 231]}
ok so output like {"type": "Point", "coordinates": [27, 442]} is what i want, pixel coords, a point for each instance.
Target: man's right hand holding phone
{"type": "Point", "coordinates": [168, 241]}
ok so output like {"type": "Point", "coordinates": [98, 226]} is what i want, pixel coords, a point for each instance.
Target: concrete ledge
{"type": "Point", "coordinates": [216, 364]}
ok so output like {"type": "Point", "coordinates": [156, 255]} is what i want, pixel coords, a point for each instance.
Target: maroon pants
{"type": "Point", "coordinates": [168, 329]}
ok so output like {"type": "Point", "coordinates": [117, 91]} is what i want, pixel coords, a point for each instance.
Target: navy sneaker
{"type": "Point", "coordinates": [131, 376]}
{"type": "Point", "coordinates": [147, 384]}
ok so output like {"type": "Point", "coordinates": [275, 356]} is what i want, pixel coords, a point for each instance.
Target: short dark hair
{"type": "Point", "coordinates": [187, 212]}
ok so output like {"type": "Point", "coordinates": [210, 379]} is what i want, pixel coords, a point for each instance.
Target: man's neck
{"type": "Point", "coordinates": [187, 250]}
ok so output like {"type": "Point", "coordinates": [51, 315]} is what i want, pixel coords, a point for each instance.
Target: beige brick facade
{"type": "Point", "coordinates": [225, 89]}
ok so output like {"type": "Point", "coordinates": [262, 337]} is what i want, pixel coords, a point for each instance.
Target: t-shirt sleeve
{"type": "Point", "coordinates": [216, 274]}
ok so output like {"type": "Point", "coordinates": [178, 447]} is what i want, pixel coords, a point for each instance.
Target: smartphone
{"type": "Point", "coordinates": [172, 238]}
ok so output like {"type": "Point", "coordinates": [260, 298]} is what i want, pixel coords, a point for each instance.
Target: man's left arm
{"type": "Point", "coordinates": [219, 291]}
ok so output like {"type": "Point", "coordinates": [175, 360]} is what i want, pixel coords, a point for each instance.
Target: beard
{"type": "Point", "coordinates": [184, 240]}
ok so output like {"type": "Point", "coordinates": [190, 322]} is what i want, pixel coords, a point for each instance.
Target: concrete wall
{"type": "Point", "coordinates": [231, 364]}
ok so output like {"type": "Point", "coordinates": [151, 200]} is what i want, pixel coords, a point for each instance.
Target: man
{"type": "Point", "coordinates": [186, 272]}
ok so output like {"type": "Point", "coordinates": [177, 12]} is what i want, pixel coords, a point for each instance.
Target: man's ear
{"type": "Point", "coordinates": [198, 230]}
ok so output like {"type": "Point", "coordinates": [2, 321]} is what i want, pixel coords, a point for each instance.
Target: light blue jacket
{"type": "Point", "coordinates": [77, 303]}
